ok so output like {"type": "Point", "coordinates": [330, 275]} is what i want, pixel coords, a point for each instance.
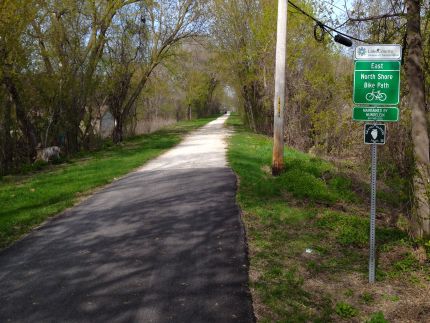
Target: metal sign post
{"type": "Point", "coordinates": [374, 134]}
{"type": "Point", "coordinates": [372, 246]}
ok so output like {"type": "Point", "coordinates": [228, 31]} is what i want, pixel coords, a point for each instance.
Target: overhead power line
{"type": "Point", "coordinates": [323, 26]}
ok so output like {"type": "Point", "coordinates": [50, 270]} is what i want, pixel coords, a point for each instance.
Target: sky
{"type": "Point", "coordinates": [339, 14]}
{"type": "Point", "coordinates": [338, 7]}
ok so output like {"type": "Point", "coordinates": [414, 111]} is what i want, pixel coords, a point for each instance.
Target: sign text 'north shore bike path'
{"type": "Point", "coordinates": [377, 82]}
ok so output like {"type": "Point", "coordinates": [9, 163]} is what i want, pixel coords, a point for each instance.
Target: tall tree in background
{"type": "Point", "coordinates": [235, 30]}
{"type": "Point", "coordinates": [160, 26]}
{"type": "Point", "coordinates": [76, 36]}
{"type": "Point", "coordinates": [14, 19]}
{"type": "Point", "coordinates": [420, 137]}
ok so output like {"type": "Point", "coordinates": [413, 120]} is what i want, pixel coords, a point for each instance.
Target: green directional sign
{"type": "Point", "coordinates": [387, 114]}
{"type": "Point", "coordinates": [377, 82]}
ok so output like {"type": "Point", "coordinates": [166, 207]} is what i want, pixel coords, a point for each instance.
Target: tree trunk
{"type": "Point", "coordinates": [6, 145]}
{"type": "Point", "coordinates": [178, 112]}
{"type": "Point", "coordinates": [415, 76]}
{"type": "Point", "coordinates": [248, 105]}
{"type": "Point", "coordinates": [72, 119]}
{"type": "Point", "coordinates": [26, 126]}
{"type": "Point", "coordinates": [72, 135]}
{"type": "Point", "coordinates": [117, 134]}
{"type": "Point", "coordinates": [208, 105]}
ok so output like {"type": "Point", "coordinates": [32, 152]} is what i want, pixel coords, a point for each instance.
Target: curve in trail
{"type": "Point", "coordinates": [162, 244]}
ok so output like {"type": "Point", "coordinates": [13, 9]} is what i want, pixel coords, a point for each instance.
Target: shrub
{"type": "Point", "coordinates": [348, 230]}
{"type": "Point", "coordinates": [345, 310]}
{"type": "Point", "coordinates": [306, 185]}
{"type": "Point", "coordinates": [377, 317]}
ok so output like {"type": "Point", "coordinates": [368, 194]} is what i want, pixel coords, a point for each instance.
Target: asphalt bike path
{"type": "Point", "coordinates": [162, 244]}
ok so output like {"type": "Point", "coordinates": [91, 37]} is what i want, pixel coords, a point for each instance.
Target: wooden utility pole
{"type": "Point", "coordinates": [279, 99]}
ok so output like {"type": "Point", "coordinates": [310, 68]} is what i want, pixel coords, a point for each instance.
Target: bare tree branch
{"type": "Point", "coordinates": [386, 15]}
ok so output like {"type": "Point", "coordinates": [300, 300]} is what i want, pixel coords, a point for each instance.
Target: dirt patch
{"type": "Point", "coordinates": [398, 301]}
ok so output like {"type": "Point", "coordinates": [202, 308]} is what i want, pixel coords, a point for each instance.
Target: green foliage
{"type": "Point", "coordinates": [343, 185]}
{"type": "Point", "coordinates": [199, 85]}
{"type": "Point", "coordinates": [367, 298]}
{"type": "Point", "coordinates": [305, 185]}
{"type": "Point", "coordinates": [348, 230]}
{"type": "Point", "coordinates": [345, 310]}
{"type": "Point", "coordinates": [37, 165]}
{"type": "Point", "coordinates": [349, 293]}
{"type": "Point", "coordinates": [377, 317]}
{"type": "Point", "coordinates": [283, 291]}
{"type": "Point", "coordinates": [407, 264]}
{"type": "Point", "coordinates": [392, 298]}
{"type": "Point", "coordinates": [427, 247]}
{"type": "Point", "coordinates": [58, 161]}
{"type": "Point", "coordinates": [352, 230]}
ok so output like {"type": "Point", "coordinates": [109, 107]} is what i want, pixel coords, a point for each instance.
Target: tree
{"type": "Point", "coordinates": [420, 137]}
{"type": "Point", "coordinates": [14, 19]}
{"type": "Point", "coordinates": [162, 26]}
{"type": "Point", "coordinates": [198, 78]}
{"type": "Point", "coordinates": [71, 46]}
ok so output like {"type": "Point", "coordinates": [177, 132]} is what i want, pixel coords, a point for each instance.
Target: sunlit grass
{"type": "Point", "coordinates": [301, 228]}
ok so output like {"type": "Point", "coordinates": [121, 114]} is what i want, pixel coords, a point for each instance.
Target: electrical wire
{"type": "Point", "coordinates": [324, 26]}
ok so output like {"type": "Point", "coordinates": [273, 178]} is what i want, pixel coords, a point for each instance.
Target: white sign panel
{"type": "Point", "coordinates": [378, 52]}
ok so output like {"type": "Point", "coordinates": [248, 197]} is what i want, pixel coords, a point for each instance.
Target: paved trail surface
{"type": "Point", "coordinates": [163, 244]}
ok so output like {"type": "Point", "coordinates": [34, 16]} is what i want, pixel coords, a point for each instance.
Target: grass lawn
{"type": "Point", "coordinates": [307, 233]}
{"type": "Point", "coordinates": [27, 200]}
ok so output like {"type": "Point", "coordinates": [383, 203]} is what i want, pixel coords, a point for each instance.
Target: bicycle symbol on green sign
{"type": "Point", "coordinates": [376, 95]}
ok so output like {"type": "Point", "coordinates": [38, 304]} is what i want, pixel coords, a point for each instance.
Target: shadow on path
{"type": "Point", "coordinates": [155, 246]}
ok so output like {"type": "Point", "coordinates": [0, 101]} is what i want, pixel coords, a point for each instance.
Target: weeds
{"type": "Point", "coordinates": [344, 310]}
{"type": "Point", "coordinates": [367, 298]}
{"type": "Point", "coordinates": [377, 317]}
